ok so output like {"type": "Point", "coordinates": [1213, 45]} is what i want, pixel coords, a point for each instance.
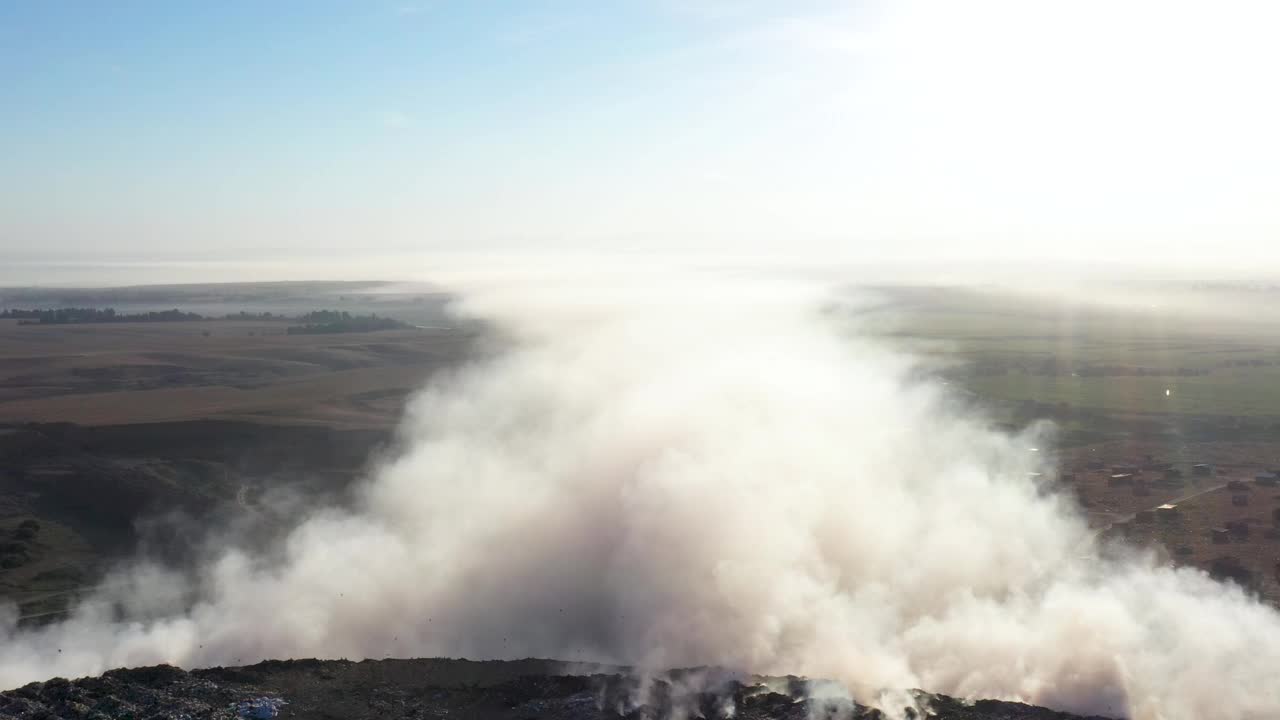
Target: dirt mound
{"type": "Point", "coordinates": [436, 688]}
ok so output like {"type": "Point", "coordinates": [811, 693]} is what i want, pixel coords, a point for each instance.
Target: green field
{"type": "Point", "coordinates": [1242, 393]}
{"type": "Point", "coordinates": [1223, 360]}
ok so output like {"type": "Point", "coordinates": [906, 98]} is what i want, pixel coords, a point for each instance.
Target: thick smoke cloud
{"type": "Point", "coordinates": [676, 473]}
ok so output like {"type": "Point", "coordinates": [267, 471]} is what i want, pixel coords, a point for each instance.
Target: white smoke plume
{"type": "Point", "coordinates": [683, 472]}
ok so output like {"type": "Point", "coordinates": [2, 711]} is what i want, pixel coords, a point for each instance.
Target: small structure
{"type": "Point", "coordinates": [1168, 513]}
{"type": "Point", "coordinates": [1266, 479]}
{"type": "Point", "coordinates": [1220, 535]}
{"type": "Point", "coordinates": [1237, 486]}
{"type": "Point", "coordinates": [1120, 479]}
{"type": "Point", "coordinates": [1125, 470]}
{"type": "Point", "coordinates": [1202, 469]}
{"type": "Point", "coordinates": [1172, 474]}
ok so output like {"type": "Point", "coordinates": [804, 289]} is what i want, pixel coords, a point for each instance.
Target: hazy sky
{"type": "Point", "coordinates": [1081, 129]}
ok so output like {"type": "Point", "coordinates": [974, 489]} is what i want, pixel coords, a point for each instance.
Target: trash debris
{"type": "Point", "coordinates": [259, 708]}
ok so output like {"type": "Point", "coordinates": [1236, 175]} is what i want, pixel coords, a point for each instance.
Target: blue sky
{"type": "Point", "coordinates": [279, 108]}
{"type": "Point", "coordinates": [160, 129]}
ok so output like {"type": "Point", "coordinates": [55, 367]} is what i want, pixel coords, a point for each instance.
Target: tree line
{"type": "Point", "coordinates": [313, 323]}
{"type": "Point", "coordinates": [333, 321]}
{"type": "Point", "coordinates": [67, 316]}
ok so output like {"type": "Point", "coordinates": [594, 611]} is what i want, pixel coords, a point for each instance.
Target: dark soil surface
{"type": "Point", "coordinates": [436, 688]}
{"type": "Point", "coordinates": [75, 499]}
{"type": "Point", "coordinates": [1224, 520]}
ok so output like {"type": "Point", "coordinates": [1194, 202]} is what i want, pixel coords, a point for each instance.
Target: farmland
{"type": "Point", "coordinates": [209, 418]}
{"type": "Point", "coordinates": [116, 437]}
{"type": "Point", "coordinates": [247, 369]}
{"type": "Point", "coordinates": [1160, 362]}
{"type": "Point", "coordinates": [1128, 386]}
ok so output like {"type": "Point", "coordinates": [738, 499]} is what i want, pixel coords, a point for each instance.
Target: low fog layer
{"type": "Point", "coordinates": [676, 473]}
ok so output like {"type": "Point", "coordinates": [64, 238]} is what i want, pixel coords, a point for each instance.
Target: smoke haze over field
{"type": "Point", "coordinates": [674, 468]}
{"type": "Point", "coordinates": [669, 469]}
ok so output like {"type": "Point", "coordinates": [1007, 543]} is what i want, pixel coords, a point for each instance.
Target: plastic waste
{"type": "Point", "coordinates": [259, 708]}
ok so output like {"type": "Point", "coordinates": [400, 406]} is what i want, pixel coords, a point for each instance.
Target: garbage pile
{"type": "Point", "coordinates": [154, 692]}
{"type": "Point", "coordinates": [437, 688]}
